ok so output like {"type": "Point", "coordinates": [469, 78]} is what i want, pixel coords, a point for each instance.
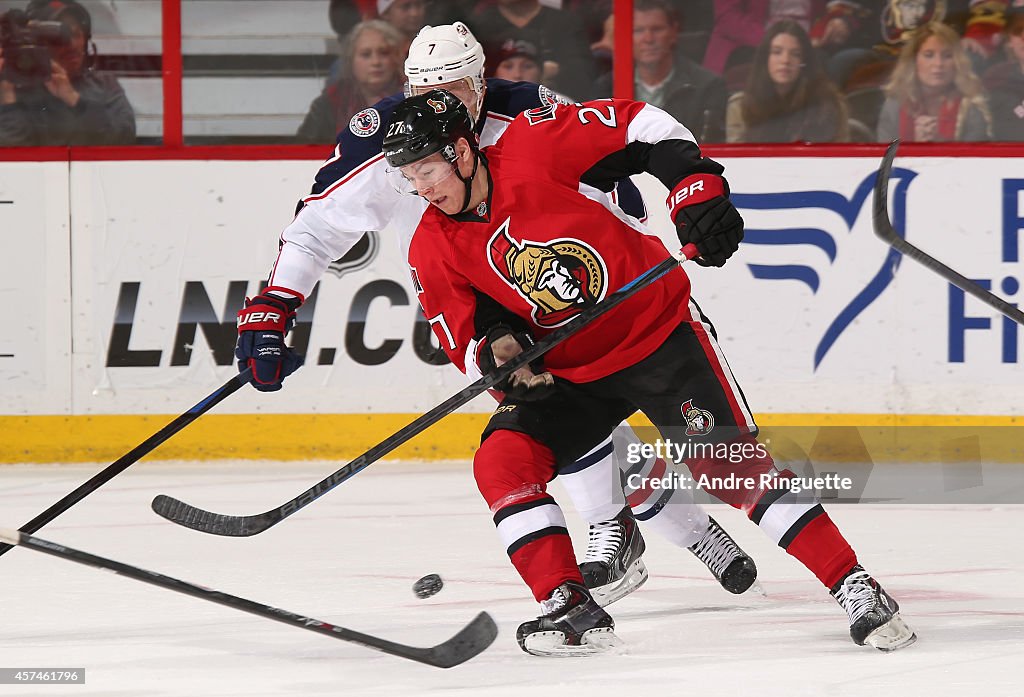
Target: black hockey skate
{"type": "Point", "coordinates": [612, 567]}
{"type": "Point", "coordinates": [874, 615]}
{"type": "Point", "coordinates": [733, 567]}
{"type": "Point", "coordinates": [573, 624]}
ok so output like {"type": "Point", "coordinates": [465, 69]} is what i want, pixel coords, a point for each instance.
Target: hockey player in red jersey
{"type": "Point", "coordinates": [509, 222]}
{"type": "Point", "coordinates": [351, 196]}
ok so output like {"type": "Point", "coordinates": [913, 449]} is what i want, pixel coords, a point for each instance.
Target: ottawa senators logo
{"type": "Point", "coordinates": [699, 422]}
{"type": "Point", "coordinates": [559, 278]}
{"type": "Point", "coordinates": [438, 106]}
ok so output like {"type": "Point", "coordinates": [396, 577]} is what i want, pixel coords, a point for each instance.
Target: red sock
{"type": "Point", "coordinates": [546, 563]}
{"type": "Point", "coordinates": [512, 470]}
{"type": "Point", "coordinates": [823, 549]}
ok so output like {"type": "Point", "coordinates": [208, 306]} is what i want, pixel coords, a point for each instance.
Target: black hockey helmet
{"type": "Point", "coordinates": [425, 124]}
{"type": "Point", "coordinates": [430, 123]}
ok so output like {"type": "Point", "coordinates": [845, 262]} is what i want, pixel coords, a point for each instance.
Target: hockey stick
{"type": "Point", "coordinates": [885, 230]}
{"type": "Point", "coordinates": [470, 640]}
{"type": "Point", "coordinates": [130, 458]}
{"type": "Point", "coordinates": [243, 526]}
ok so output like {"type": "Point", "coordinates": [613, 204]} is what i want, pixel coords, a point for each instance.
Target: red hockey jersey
{"type": "Point", "coordinates": [545, 251]}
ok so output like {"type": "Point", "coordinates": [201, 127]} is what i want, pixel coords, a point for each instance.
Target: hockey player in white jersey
{"type": "Point", "coordinates": [352, 195]}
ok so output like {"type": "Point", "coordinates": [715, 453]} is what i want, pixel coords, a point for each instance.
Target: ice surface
{"type": "Point", "coordinates": [351, 558]}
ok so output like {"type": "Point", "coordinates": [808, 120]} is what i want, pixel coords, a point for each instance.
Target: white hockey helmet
{"type": "Point", "coordinates": [444, 54]}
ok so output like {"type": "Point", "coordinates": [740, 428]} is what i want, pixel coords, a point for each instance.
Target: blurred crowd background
{"type": "Point", "coordinates": [754, 71]}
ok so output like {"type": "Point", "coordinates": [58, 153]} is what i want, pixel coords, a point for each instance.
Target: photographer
{"type": "Point", "coordinates": [49, 95]}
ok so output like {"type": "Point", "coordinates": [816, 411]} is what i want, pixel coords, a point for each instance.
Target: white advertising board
{"type": "Point", "coordinates": [164, 254]}
{"type": "Point", "coordinates": [815, 313]}
{"type": "Point", "coordinates": [821, 316]}
{"type": "Point", "coordinates": [35, 290]}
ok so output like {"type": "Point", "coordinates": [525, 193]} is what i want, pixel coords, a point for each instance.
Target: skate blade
{"type": "Point", "coordinates": [593, 642]}
{"type": "Point", "coordinates": [758, 589]}
{"type": "Point", "coordinates": [891, 636]}
{"type": "Point", "coordinates": [635, 576]}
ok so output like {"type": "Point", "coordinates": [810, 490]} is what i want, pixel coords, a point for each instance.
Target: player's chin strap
{"type": "Point", "coordinates": [468, 182]}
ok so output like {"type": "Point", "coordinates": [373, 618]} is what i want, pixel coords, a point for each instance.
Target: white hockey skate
{"type": "Point", "coordinates": [572, 624]}
{"type": "Point", "coordinates": [874, 616]}
{"type": "Point", "coordinates": [612, 567]}
{"type": "Point", "coordinates": [733, 567]}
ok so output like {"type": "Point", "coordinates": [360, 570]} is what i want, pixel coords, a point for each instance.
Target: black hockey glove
{"type": "Point", "coordinates": [700, 207]}
{"type": "Point", "coordinates": [500, 345]}
{"type": "Point", "coordinates": [262, 324]}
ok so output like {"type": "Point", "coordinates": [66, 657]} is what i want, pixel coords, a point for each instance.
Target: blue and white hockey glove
{"type": "Point", "coordinates": [262, 325]}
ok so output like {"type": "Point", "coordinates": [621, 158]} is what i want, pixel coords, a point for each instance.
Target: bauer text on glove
{"type": "Point", "coordinates": [700, 207]}
{"type": "Point", "coordinates": [262, 325]}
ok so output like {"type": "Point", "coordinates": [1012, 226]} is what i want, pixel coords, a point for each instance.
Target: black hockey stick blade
{"type": "Point", "coordinates": [885, 230]}
{"type": "Point", "coordinates": [244, 526]}
{"type": "Point", "coordinates": [136, 454]}
{"type": "Point", "coordinates": [467, 643]}
{"type": "Point", "coordinates": [883, 226]}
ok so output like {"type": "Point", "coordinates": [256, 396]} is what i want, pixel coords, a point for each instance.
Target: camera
{"type": "Point", "coordinates": [27, 45]}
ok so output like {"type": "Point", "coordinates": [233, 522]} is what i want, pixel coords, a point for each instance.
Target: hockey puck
{"type": "Point", "coordinates": [429, 585]}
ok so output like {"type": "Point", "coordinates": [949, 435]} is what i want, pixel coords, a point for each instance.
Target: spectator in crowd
{"type": "Point", "coordinates": [668, 79]}
{"type": "Point", "coordinates": [983, 32]}
{"type": "Point", "coordinates": [602, 51]}
{"type": "Point", "coordinates": [597, 19]}
{"type": "Point", "coordinates": [788, 96]}
{"type": "Point", "coordinates": [1005, 81]}
{"type": "Point", "coordinates": [803, 12]}
{"type": "Point", "coordinates": [345, 14]}
{"type": "Point", "coordinates": [844, 24]}
{"type": "Point", "coordinates": [867, 57]}
{"type": "Point", "coordinates": [516, 61]}
{"type": "Point", "coordinates": [590, 15]}
{"type": "Point", "coordinates": [739, 26]}
{"type": "Point", "coordinates": [65, 102]}
{"type": "Point", "coordinates": [845, 38]}
{"type": "Point", "coordinates": [901, 18]}
{"type": "Point", "coordinates": [933, 94]}
{"type": "Point", "coordinates": [407, 16]}
{"type": "Point", "coordinates": [371, 70]}
{"type": "Point", "coordinates": [448, 11]}
{"type": "Point", "coordinates": [564, 51]}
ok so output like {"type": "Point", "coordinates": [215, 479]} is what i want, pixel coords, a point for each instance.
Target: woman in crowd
{"type": "Point", "coordinates": [788, 97]}
{"type": "Point", "coordinates": [371, 70]}
{"type": "Point", "coordinates": [933, 94]}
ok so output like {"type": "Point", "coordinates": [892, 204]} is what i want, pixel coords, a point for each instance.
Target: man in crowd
{"type": "Point", "coordinates": [60, 100]}
{"type": "Point", "coordinates": [666, 78]}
